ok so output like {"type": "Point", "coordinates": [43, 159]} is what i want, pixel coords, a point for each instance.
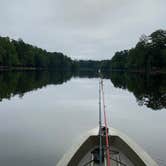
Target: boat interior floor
{"type": "Point", "coordinates": [117, 158]}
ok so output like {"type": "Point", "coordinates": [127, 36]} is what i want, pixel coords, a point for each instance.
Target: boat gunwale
{"type": "Point", "coordinates": [146, 159]}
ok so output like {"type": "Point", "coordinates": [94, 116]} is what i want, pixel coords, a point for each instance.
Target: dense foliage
{"type": "Point", "coordinates": [88, 65]}
{"type": "Point", "coordinates": [149, 54]}
{"type": "Point", "coordinates": [19, 54]}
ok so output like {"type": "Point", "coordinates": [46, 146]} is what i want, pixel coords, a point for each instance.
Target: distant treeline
{"type": "Point", "coordinates": [149, 54]}
{"type": "Point", "coordinates": [88, 65]}
{"type": "Point", "coordinates": [19, 54]}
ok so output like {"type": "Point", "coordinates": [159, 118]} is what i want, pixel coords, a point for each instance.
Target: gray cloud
{"type": "Point", "coordinates": [86, 29]}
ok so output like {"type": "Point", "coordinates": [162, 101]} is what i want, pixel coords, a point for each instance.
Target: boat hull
{"type": "Point", "coordinates": [133, 154]}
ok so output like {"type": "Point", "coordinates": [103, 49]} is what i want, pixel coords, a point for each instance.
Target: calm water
{"type": "Point", "coordinates": [42, 113]}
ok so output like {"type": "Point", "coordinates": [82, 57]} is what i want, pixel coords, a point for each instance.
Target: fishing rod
{"type": "Point", "coordinates": [101, 94]}
{"type": "Point", "coordinates": [100, 125]}
{"type": "Point", "coordinates": [105, 123]}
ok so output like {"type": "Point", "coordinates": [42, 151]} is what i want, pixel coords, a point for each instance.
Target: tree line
{"type": "Point", "coordinates": [149, 54]}
{"type": "Point", "coordinates": [20, 54]}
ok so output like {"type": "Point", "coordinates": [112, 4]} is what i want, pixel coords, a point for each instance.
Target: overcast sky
{"type": "Point", "coordinates": [82, 29]}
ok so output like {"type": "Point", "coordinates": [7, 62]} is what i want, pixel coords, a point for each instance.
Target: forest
{"type": "Point", "coordinates": [18, 54]}
{"type": "Point", "coordinates": [148, 55]}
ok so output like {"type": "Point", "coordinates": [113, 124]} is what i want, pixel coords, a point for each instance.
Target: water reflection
{"type": "Point", "coordinates": [149, 90]}
{"type": "Point", "coordinates": [18, 83]}
{"type": "Point", "coordinates": [39, 128]}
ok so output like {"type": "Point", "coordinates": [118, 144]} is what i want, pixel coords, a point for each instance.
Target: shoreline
{"type": "Point", "coordinates": [5, 68]}
{"type": "Point", "coordinates": [137, 71]}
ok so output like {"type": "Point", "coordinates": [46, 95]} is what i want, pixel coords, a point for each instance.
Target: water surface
{"type": "Point", "coordinates": [43, 113]}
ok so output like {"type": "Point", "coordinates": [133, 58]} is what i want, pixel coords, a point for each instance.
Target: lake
{"type": "Point", "coordinates": [43, 113]}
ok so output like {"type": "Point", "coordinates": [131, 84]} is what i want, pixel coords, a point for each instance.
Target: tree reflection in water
{"type": "Point", "coordinates": [17, 83]}
{"type": "Point", "coordinates": [149, 90]}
